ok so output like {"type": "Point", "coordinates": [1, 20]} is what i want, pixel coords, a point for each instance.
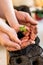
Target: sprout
{"type": "Point", "coordinates": [23, 29]}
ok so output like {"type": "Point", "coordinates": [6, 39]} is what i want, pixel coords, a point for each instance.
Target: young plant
{"type": "Point", "coordinates": [23, 29]}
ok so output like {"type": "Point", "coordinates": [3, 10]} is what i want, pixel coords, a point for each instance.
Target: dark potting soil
{"type": "Point", "coordinates": [20, 35]}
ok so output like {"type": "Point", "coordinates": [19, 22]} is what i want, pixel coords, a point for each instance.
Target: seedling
{"type": "Point", "coordinates": [23, 29]}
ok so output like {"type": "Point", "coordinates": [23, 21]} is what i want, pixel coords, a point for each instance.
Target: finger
{"type": "Point", "coordinates": [30, 19]}
{"type": "Point", "coordinates": [23, 16]}
{"type": "Point", "coordinates": [5, 41]}
{"type": "Point", "coordinates": [14, 37]}
{"type": "Point", "coordinates": [3, 38]}
{"type": "Point", "coordinates": [12, 44]}
{"type": "Point", "coordinates": [25, 44]}
{"type": "Point", "coordinates": [24, 39]}
{"type": "Point", "coordinates": [3, 26]}
{"type": "Point", "coordinates": [11, 49]}
{"type": "Point", "coordinates": [8, 30]}
{"type": "Point", "coordinates": [27, 28]}
{"type": "Point", "coordinates": [17, 40]}
{"type": "Point", "coordinates": [20, 15]}
{"type": "Point", "coordinates": [26, 17]}
{"type": "Point", "coordinates": [33, 36]}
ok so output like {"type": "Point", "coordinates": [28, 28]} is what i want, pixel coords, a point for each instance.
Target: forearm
{"type": "Point", "coordinates": [8, 11]}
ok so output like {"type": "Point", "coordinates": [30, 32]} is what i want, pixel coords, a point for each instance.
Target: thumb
{"type": "Point", "coordinates": [30, 19]}
{"type": "Point", "coordinates": [17, 40]}
{"type": "Point", "coordinates": [13, 36]}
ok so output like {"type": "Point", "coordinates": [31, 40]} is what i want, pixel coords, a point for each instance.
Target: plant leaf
{"type": "Point", "coordinates": [22, 29]}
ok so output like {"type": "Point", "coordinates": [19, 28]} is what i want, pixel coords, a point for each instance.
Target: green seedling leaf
{"type": "Point", "coordinates": [22, 29]}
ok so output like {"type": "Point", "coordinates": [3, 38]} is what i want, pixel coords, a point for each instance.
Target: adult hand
{"type": "Point", "coordinates": [8, 37]}
{"type": "Point", "coordinates": [7, 43]}
{"type": "Point", "coordinates": [25, 17]}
